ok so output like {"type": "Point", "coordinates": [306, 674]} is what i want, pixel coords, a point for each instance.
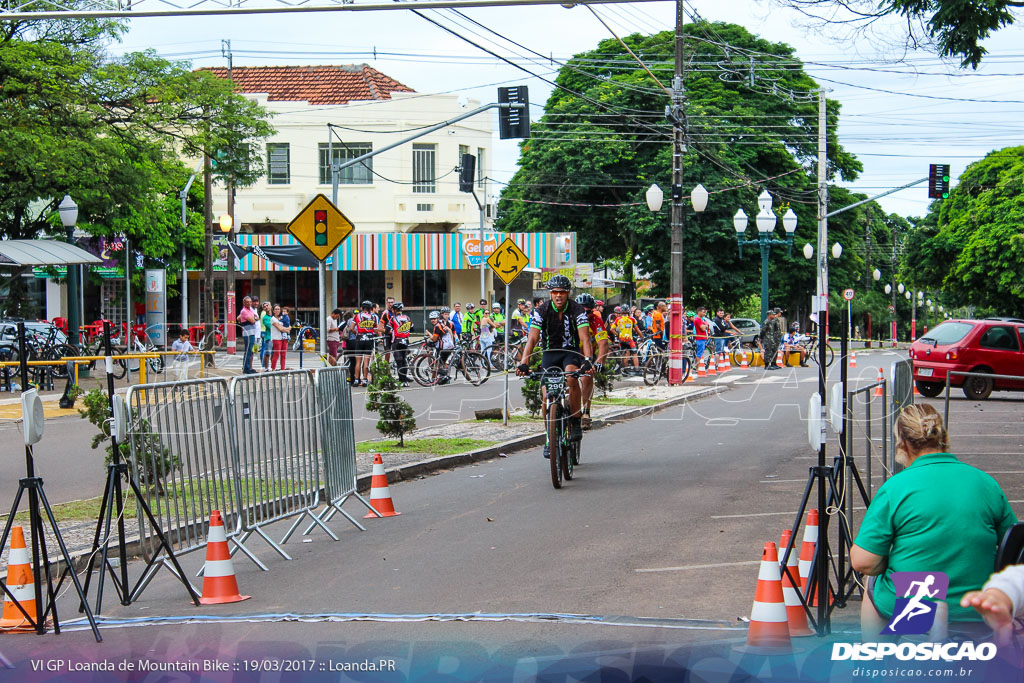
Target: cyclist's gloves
{"type": "Point", "coordinates": [586, 365]}
{"type": "Point", "coordinates": [522, 369]}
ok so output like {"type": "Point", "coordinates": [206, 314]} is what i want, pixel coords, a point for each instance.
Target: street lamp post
{"type": "Point", "coordinates": [68, 217]}
{"type": "Point", "coordinates": [766, 221]}
{"type": "Point", "coordinates": [699, 200]}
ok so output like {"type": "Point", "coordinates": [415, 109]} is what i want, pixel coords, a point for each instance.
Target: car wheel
{"type": "Point", "coordinates": [977, 388]}
{"type": "Point", "coordinates": [930, 389]}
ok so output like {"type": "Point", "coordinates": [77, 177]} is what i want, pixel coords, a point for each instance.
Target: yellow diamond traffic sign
{"type": "Point", "coordinates": [507, 261]}
{"type": "Point", "coordinates": [320, 227]}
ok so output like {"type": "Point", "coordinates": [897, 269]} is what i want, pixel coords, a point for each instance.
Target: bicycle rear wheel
{"type": "Point", "coordinates": [475, 368]}
{"type": "Point", "coordinates": [426, 370]}
{"type": "Point", "coordinates": [829, 356]}
{"type": "Point", "coordinates": [555, 428]}
{"type": "Point", "coordinates": [653, 370]}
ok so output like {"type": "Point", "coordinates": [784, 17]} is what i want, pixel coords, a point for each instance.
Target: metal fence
{"type": "Point", "coordinates": [278, 467]}
{"type": "Point", "coordinates": [337, 443]}
{"type": "Point", "coordinates": [867, 417]}
{"type": "Point", "coordinates": [181, 438]}
{"type": "Point", "coordinates": [967, 377]}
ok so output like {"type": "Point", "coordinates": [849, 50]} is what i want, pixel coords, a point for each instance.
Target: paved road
{"type": "Point", "coordinates": [664, 522]}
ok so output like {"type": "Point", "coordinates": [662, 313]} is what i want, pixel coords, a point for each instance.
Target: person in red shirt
{"type": "Point", "coordinates": [701, 332]}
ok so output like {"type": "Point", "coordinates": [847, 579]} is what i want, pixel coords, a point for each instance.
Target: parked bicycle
{"type": "Point", "coordinates": [429, 368]}
{"type": "Point", "coordinates": [657, 365]}
{"type": "Point", "coordinates": [811, 344]}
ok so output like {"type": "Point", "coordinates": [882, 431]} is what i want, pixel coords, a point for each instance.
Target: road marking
{"type": "Point", "coordinates": [766, 514]}
{"type": "Point", "coordinates": [744, 563]}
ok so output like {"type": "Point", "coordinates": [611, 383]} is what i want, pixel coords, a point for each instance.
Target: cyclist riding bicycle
{"type": "Point", "coordinates": [561, 327]}
{"type": "Point", "coordinates": [603, 347]}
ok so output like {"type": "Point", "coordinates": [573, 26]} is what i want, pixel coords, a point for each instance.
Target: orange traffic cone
{"type": "Point", "coordinates": [380, 494]}
{"type": "Point", "coordinates": [916, 392]}
{"type": "Point", "coordinates": [219, 582]}
{"type": "Point", "coordinates": [807, 549]}
{"type": "Point", "coordinates": [712, 367]}
{"type": "Point", "coordinates": [726, 366]}
{"type": "Point", "coordinates": [691, 375]}
{"type": "Point", "coordinates": [21, 584]}
{"type": "Point", "coordinates": [743, 363]}
{"type": "Point", "coordinates": [769, 631]}
{"type": "Point", "coordinates": [853, 359]}
{"type": "Point", "coordinates": [878, 389]}
{"type": "Point", "coordinates": [779, 358]}
{"type": "Point", "coordinates": [701, 372]}
{"type": "Point", "coordinates": [795, 614]}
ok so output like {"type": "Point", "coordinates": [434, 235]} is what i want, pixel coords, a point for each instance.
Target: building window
{"type": "Point", "coordinates": [357, 174]}
{"type": "Point", "coordinates": [424, 207]}
{"type": "Point", "coordinates": [278, 163]}
{"type": "Point", "coordinates": [424, 288]}
{"type": "Point", "coordinates": [480, 175]}
{"type": "Point", "coordinates": [463, 149]}
{"type": "Point", "coordinates": [423, 162]}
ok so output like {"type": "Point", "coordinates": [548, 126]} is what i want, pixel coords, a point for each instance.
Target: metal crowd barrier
{"type": "Point", "coordinates": [337, 443]}
{"type": "Point", "coordinates": [278, 465]}
{"type": "Point", "coordinates": [181, 438]}
{"type": "Point", "coordinates": [863, 397]}
{"type": "Point", "coordinates": [966, 375]}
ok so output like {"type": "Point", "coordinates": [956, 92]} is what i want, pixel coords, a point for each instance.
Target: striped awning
{"type": "Point", "coordinates": [411, 251]}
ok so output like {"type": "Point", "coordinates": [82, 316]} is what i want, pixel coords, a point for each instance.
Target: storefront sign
{"type": "Point", "coordinates": [156, 306]}
{"type": "Point", "coordinates": [471, 248]}
{"type": "Point", "coordinates": [582, 274]}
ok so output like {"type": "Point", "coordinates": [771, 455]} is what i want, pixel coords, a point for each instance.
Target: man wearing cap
{"type": "Point", "coordinates": [771, 337]}
{"type": "Point", "coordinates": [471, 320]}
{"type": "Point", "coordinates": [519, 320]}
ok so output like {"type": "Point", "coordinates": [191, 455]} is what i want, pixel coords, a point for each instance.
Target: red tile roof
{"type": "Point", "coordinates": [314, 84]}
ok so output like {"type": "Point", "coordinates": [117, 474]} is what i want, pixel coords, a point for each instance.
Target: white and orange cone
{"type": "Point", "coordinates": [878, 389]}
{"type": "Point", "coordinates": [712, 367]}
{"type": "Point", "coordinates": [380, 494]}
{"type": "Point", "coordinates": [795, 614]}
{"type": "Point", "coordinates": [701, 372]}
{"type": "Point", "coordinates": [726, 366]}
{"type": "Point", "coordinates": [21, 584]}
{"type": "Point", "coordinates": [779, 358]}
{"type": "Point", "coordinates": [769, 630]}
{"type": "Point", "coordinates": [743, 362]}
{"type": "Point", "coordinates": [219, 583]}
{"type": "Point", "coordinates": [853, 359]}
{"type": "Point", "coordinates": [807, 549]}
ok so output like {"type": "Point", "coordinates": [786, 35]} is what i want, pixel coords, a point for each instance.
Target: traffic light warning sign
{"type": "Point", "coordinates": [320, 227]}
{"type": "Point", "coordinates": [507, 261]}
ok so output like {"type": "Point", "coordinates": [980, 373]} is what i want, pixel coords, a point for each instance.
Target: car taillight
{"type": "Point", "coordinates": [911, 352]}
{"type": "Point", "coordinates": [953, 354]}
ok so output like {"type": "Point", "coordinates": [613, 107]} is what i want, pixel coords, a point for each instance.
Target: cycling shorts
{"type": "Point", "coordinates": [561, 358]}
{"type": "Point", "coordinates": [601, 335]}
{"type": "Point", "coordinates": [363, 346]}
{"type": "Point", "coordinates": [627, 344]}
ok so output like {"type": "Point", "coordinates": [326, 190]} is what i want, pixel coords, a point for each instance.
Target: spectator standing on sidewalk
{"type": "Point", "coordinates": [720, 332]}
{"type": "Point", "coordinates": [659, 331]}
{"type": "Point", "coordinates": [457, 318]}
{"type": "Point", "coordinates": [247, 318]}
{"type": "Point", "coordinates": [333, 336]}
{"type": "Point", "coordinates": [266, 318]}
{"type": "Point", "coordinates": [701, 332]}
{"type": "Point", "coordinates": [279, 335]}
{"type": "Point", "coordinates": [350, 335]}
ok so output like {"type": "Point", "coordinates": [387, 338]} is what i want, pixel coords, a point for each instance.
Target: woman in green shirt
{"type": "Point", "coordinates": [937, 515]}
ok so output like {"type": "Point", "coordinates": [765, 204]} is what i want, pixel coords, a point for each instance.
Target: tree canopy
{"type": "Point", "coordinates": [956, 28]}
{"type": "Point", "coordinates": [971, 245]}
{"type": "Point", "coordinates": [603, 140]}
{"type": "Point", "coordinates": [112, 133]}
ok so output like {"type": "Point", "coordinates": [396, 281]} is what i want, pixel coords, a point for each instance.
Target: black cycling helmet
{"type": "Point", "coordinates": [618, 309]}
{"type": "Point", "coordinates": [586, 301]}
{"type": "Point", "coordinates": [366, 304]}
{"type": "Point", "coordinates": [559, 282]}
{"type": "Point", "coordinates": [397, 306]}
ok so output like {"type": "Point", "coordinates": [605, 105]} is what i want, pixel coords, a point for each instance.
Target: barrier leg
{"type": "Point", "coordinates": [316, 522]}
{"type": "Point", "coordinates": [327, 514]}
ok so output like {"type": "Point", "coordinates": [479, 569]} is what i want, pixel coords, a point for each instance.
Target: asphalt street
{"type": "Point", "coordinates": [655, 543]}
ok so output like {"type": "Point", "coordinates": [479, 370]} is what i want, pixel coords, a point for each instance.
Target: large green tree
{"type": "Point", "coordinates": [112, 133]}
{"type": "Point", "coordinates": [971, 245]}
{"type": "Point", "coordinates": [603, 139]}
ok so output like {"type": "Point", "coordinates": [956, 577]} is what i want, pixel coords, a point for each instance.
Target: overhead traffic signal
{"type": "Point", "coordinates": [938, 181]}
{"type": "Point", "coordinates": [514, 122]}
{"type": "Point", "coordinates": [467, 173]}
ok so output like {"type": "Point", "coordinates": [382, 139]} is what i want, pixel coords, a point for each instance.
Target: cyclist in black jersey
{"type": "Point", "coordinates": [562, 329]}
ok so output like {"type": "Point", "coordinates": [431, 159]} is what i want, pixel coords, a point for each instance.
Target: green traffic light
{"type": "Point", "coordinates": [945, 195]}
{"type": "Point", "coordinates": [945, 178]}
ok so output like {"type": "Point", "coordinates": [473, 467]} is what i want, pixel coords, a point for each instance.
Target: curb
{"type": "Point", "coordinates": [446, 462]}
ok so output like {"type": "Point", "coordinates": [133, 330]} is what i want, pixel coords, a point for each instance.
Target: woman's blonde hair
{"type": "Point", "coordinates": [920, 427]}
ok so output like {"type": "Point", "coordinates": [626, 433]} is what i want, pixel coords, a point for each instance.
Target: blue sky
{"type": "Point", "coordinates": [897, 117]}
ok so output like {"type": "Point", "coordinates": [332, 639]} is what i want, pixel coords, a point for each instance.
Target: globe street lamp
{"type": "Point", "coordinates": [765, 221]}
{"type": "Point", "coordinates": [68, 217]}
{"type": "Point", "coordinates": [699, 201]}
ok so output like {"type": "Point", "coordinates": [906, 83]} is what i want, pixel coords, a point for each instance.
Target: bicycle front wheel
{"type": "Point", "coordinates": [475, 368]}
{"type": "Point", "coordinates": [120, 369]}
{"type": "Point", "coordinates": [829, 356]}
{"type": "Point", "coordinates": [555, 429]}
{"type": "Point", "coordinates": [652, 370]}
{"type": "Point", "coordinates": [426, 370]}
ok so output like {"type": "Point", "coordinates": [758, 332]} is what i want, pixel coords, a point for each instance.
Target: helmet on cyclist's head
{"type": "Point", "coordinates": [795, 325]}
{"type": "Point", "coordinates": [496, 305]}
{"type": "Point", "coordinates": [689, 314]}
{"type": "Point", "coordinates": [397, 306]}
{"type": "Point", "coordinates": [648, 307]}
{"type": "Point", "coordinates": [434, 315]}
{"type": "Point", "coordinates": [618, 309]}
{"type": "Point", "coordinates": [598, 302]}
{"type": "Point", "coordinates": [559, 282]}
{"type": "Point", "coordinates": [445, 309]}
{"type": "Point", "coordinates": [366, 305]}
{"type": "Point", "coordinates": [586, 301]}
{"type": "Point", "coordinates": [469, 306]}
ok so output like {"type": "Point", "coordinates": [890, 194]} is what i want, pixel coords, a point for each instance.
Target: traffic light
{"type": "Point", "coordinates": [938, 181]}
{"type": "Point", "coordinates": [320, 227]}
{"type": "Point", "coordinates": [514, 123]}
{"type": "Point", "coordinates": [467, 173]}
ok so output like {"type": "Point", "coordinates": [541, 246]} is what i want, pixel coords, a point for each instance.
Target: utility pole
{"type": "Point", "coordinates": [229, 291]}
{"type": "Point", "coordinates": [892, 270]}
{"type": "Point", "coordinates": [676, 114]}
{"type": "Point", "coordinates": [822, 472]}
{"type": "Point", "coordinates": [206, 301]}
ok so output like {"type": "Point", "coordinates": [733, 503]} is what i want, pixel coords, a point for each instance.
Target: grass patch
{"type": "Point", "coordinates": [633, 402]}
{"type": "Point", "coordinates": [435, 446]}
{"type": "Point", "coordinates": [512, 418]}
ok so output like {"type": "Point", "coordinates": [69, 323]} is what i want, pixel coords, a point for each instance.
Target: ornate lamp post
{"type": "Point", "coordinates": [765, 220]}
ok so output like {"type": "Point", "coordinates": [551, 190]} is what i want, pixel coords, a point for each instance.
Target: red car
{"type": "Point", "coordinates": [993, 345]}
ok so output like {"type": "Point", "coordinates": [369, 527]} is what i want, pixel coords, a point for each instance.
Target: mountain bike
{"type": "Point", "coordinates": [657, 367]}
{"type": "Point", "coordinates": [812, 351]}
{"type": "Point", "coordinates": [429, 368]}
{"type": "Point", "coordinates": [564, 453]}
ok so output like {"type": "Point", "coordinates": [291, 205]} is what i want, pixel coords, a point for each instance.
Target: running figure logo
{"type": "Point", "coordinates": [914, 613]}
